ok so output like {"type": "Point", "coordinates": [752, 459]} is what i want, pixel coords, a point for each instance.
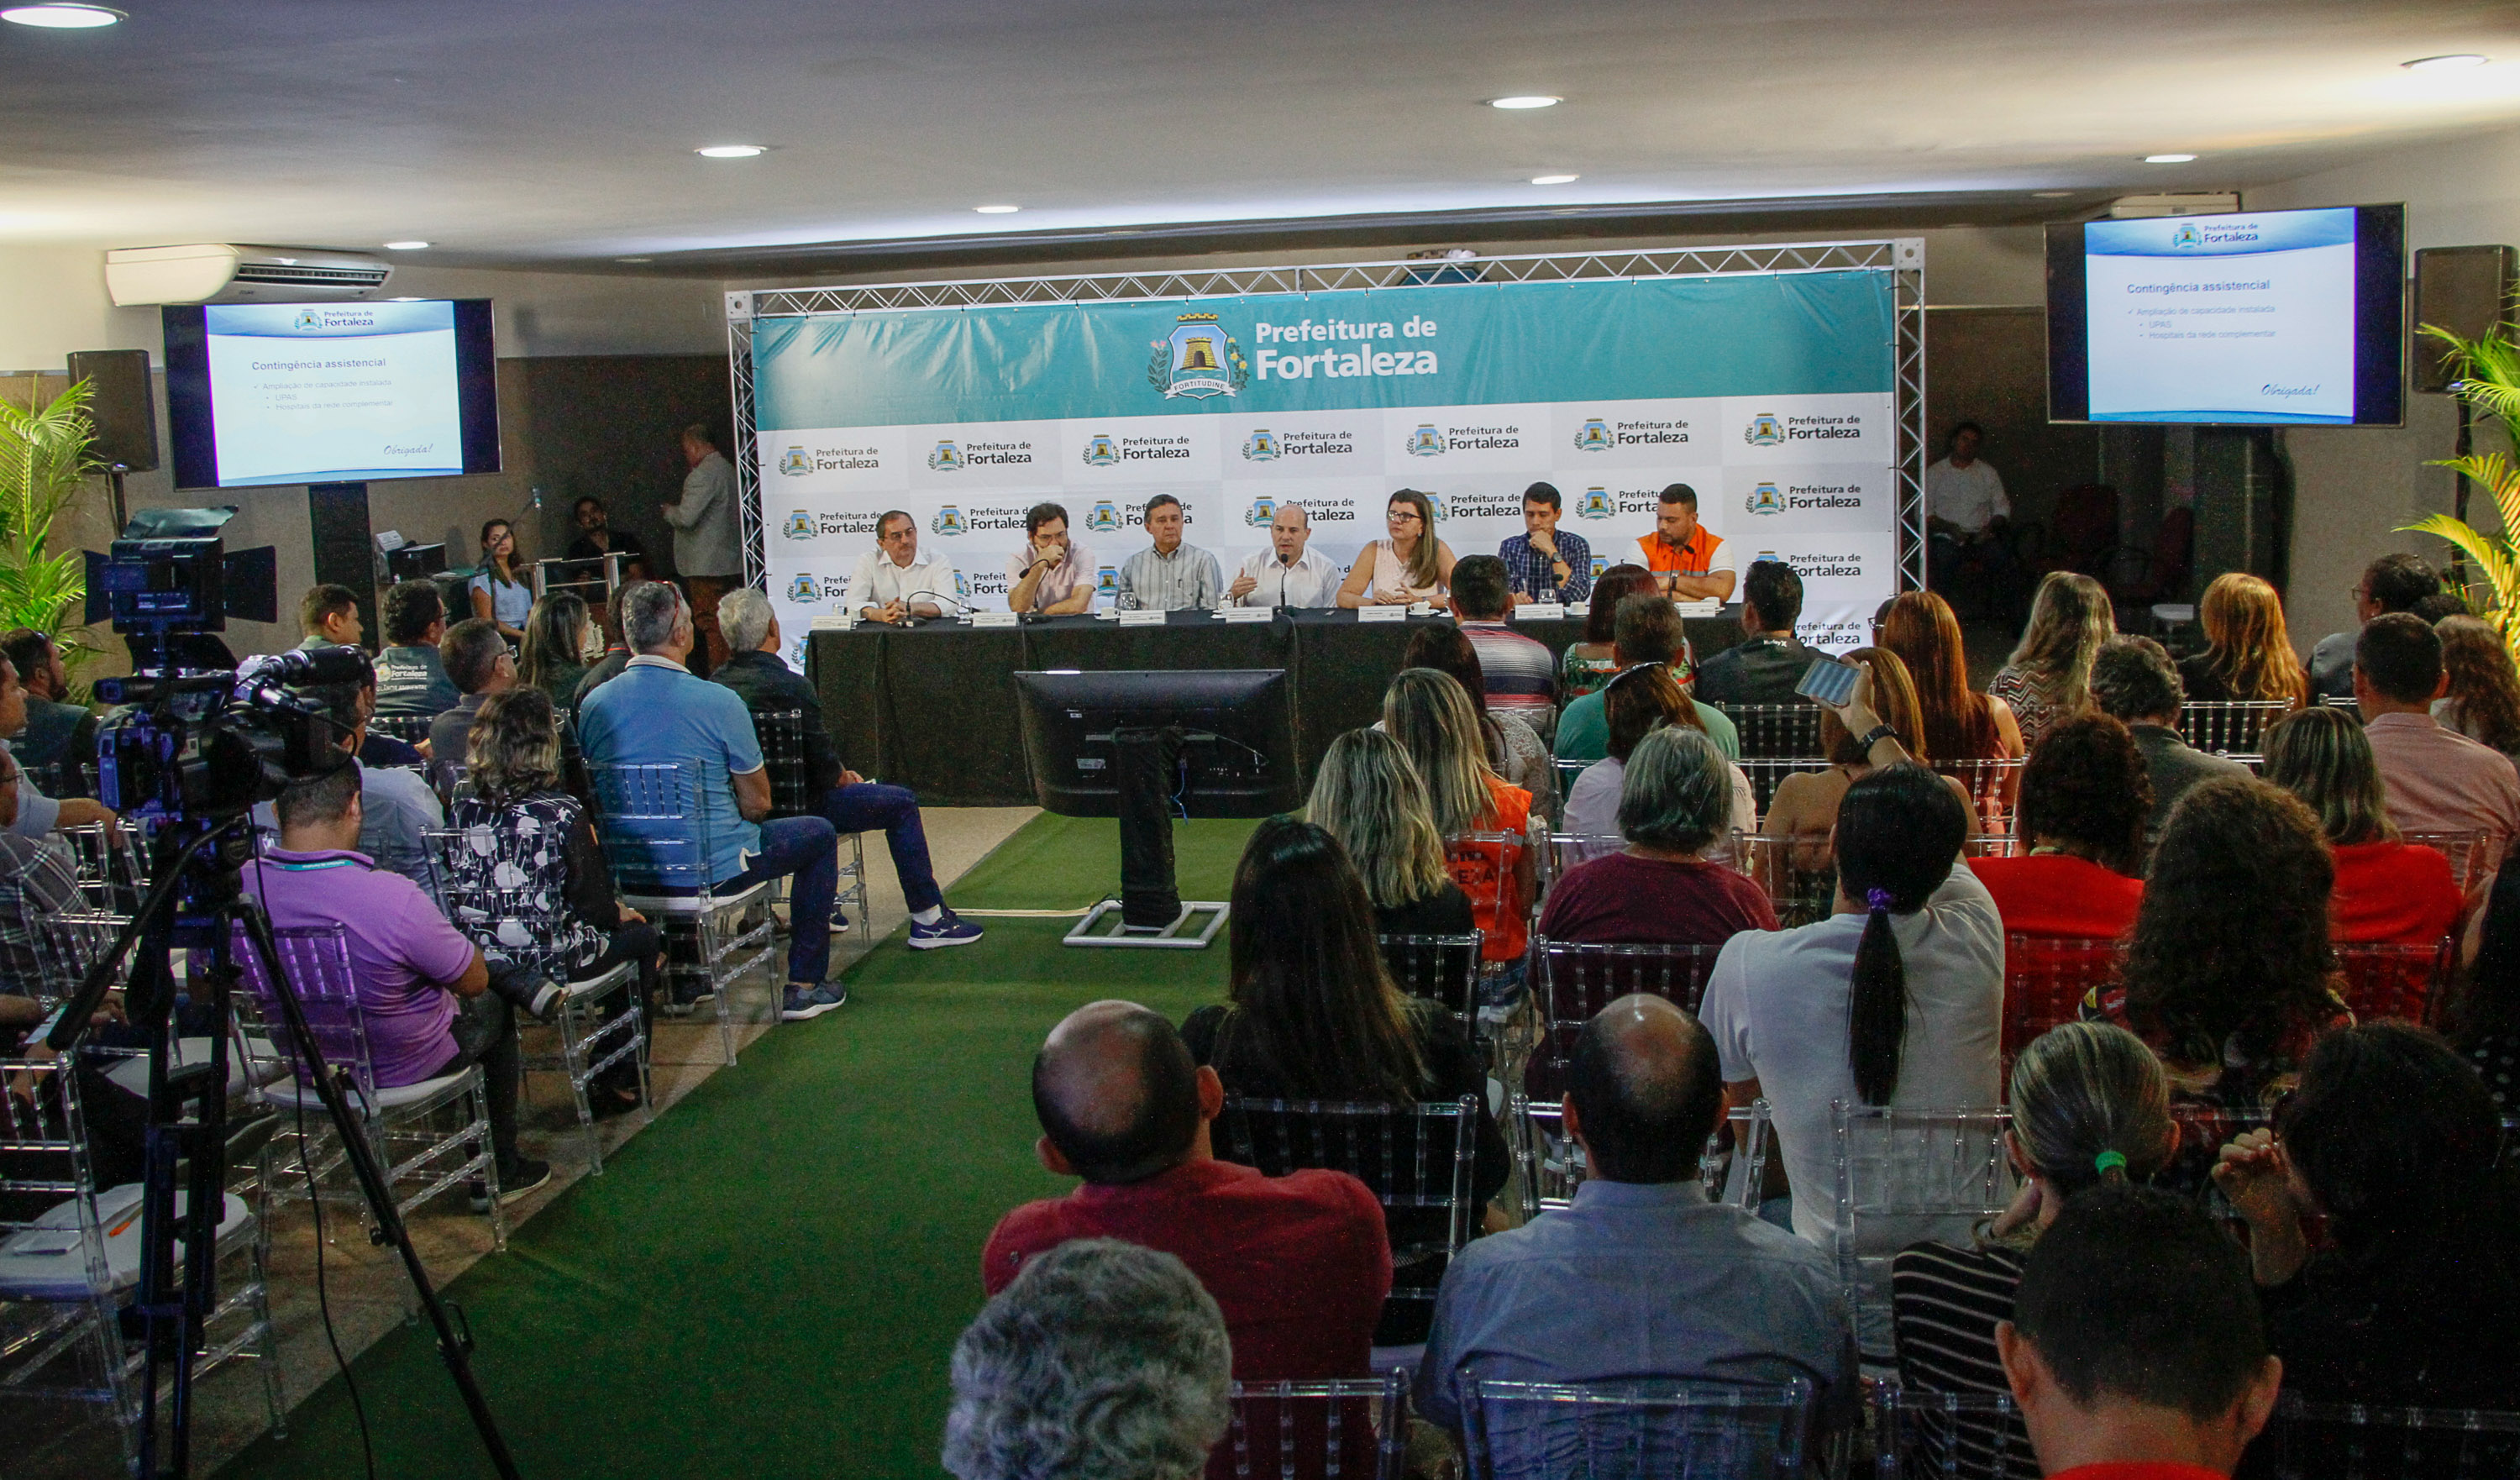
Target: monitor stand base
{"type": "Point", "coordinates": [1193, 929]}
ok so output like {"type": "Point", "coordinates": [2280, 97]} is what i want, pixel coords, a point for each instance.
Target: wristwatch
{"type": "Point", "coordinates": [1875, 736]}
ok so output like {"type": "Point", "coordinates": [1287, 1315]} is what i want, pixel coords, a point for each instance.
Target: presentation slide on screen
{"type": "Point", "coordinates": [311, 392]}
{"type": "Point", "coordinates": [2243, 318]}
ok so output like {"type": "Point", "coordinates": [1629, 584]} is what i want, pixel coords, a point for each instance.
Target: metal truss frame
{"type": "Point", "coordinates": [1902, 258]}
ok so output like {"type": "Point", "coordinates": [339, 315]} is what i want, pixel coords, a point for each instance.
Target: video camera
{"type": "Point", "coordinates": [204, 744]}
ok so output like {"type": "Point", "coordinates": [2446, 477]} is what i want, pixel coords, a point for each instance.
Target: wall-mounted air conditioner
{"type": "Point", "coordinates": [138, 276]}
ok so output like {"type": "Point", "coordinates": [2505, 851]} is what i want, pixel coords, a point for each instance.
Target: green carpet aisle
{"type": "Point", "coordinates": [768, 1282]}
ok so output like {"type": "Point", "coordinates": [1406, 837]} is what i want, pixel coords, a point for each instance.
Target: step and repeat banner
{"type": "Point", "coordinates": [1770, 395]}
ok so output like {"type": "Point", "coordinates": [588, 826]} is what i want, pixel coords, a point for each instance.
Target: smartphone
{"type": "Point", "coordinates": [1828, 680]}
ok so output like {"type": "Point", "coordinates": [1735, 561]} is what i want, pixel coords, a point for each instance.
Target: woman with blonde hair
{"type": "Point", "coordinates": [2048, 674]}
{"type": "Point", "coordinates": [1367, 794]}
{"type": "Point", "coordinates": [1408, 565]}
{"type": "Point", "coordinates": [1954, 723]}
{"type": "Point", "coordinates": [2386, 890]}
{"type": "Point", "coordinates": [1430, 716]}
{"type": "Point", "coordinates": [2248, 654]}
{"type": "Point", "coordinates": [2484, 699]}
{"type": "Point", "coordinates": [553, 659]}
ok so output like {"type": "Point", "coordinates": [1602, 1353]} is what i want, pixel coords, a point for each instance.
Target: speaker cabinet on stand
{"type": "Point", "coordinates": [122, 413]}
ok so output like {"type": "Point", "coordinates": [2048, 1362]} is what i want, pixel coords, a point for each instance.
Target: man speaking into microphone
{"type": "Point", "coordinates": [891, 583]}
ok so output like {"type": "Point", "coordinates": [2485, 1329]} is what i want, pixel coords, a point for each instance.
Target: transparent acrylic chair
{"type": "Point", "coordinates": [1355, 1428]}
{"type": "Point", "coordinates": [1903, 1176]}
{"type": "Point", "coordinates": [783, 753]}
{"type": "Point", "coordinates": [1632, 1428]}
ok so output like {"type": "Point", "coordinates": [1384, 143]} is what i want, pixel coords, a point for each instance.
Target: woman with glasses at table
{"type": "Point", "coordinates": [1410, 565]}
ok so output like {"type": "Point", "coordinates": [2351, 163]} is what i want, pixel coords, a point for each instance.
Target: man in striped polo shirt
{"type": "Point", "coordinates": [1522, 675]}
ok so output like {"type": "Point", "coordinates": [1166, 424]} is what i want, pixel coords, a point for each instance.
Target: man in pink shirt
{"type": "Point", "coordinates": [2439, 781]}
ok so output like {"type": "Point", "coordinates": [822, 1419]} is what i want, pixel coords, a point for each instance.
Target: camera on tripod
{"type": "Point", "coordinates": [203, 743]}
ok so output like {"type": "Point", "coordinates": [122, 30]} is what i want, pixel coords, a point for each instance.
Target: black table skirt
{"type": "Point", "coordinates": [934, 708]}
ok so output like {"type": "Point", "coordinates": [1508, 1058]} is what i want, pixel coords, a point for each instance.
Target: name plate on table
{"type": "Point", "coordinates": [995, 618]}
{"type": "Point", "coordinates": [1382, 614]}
{"type": "Point", "coordinates": [1247, 614]}
{"type": "Point", "coordinates": [1142, 618]}
{"type": "Point", "coordinates": [831, 621]}
{"type": "Point", "coordinates": [1539, 611]}
{"type": "Point", "coordinates": [1709, 606]}
{"type": "Point", "coordinates": [1579, 608]}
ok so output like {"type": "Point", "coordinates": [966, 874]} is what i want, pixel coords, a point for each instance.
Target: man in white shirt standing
{"type": "Point", "coordinates": [1966, 513]}
{"type": "Point", "coordinates": [1286, 574]}
{"type": "Point", "coordinates": [892, 584]}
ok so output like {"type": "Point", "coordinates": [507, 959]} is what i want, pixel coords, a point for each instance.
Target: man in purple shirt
{"type": "Point", "coordinates": [2439, 781]}
{"type": "Point", "coordinates": [423, 989]}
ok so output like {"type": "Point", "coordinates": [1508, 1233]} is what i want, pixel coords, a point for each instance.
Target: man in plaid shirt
{"type": "Point", "coordinates": [1542, 565]}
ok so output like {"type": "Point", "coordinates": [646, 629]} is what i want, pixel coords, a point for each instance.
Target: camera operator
{"type": "Point", "coordinates": [38, 814]}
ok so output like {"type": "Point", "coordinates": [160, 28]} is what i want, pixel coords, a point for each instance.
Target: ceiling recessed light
{"type": "Point", "coordinates": [2451, 61]}
{"type": "Point", "coordinates": [406, 245]}
{"type": "Point", "coordinates": [997, 211]}
{"type": "Point", "coordinates": [2049, 194]}
{"type": "Point", "coordinates": [1526, 99]}
{"type": "Point", "coordinates": [634, 259]}
{"type": "Point", "coordinates": [1554, 179]}
{"type": "Point", "coordinates": [730, 151]}
{"type": "Point", "coordinates": [406, 300]}
{"type": "Point", "coordinates": [2169, 159]}
{"type": "Point", "coordinates": [62, 17]}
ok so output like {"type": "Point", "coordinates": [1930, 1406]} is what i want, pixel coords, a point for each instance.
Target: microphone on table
{"type": "Point", "coordinates": [960, 607]}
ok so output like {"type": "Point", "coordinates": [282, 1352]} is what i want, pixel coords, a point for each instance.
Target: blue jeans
{"type": "Point", "coordinates": [868, 806]}
{"type": "Point", "coordinates": [806, 849]}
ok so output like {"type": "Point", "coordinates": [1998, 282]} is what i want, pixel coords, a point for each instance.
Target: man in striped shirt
{"type": "Point", "coordinates": [1520, 674]}
{"type": "Point", "coordinates": [1171, 576]}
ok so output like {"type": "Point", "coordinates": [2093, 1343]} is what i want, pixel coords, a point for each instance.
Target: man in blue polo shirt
{"type": "Point", "coordinates": [657, 713]}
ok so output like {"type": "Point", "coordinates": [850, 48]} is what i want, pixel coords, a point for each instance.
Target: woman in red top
{"type": "Point", "coordinates": [1430, 713]}
{"type": "Point", "coordinates": [2085, 797]}
{"type": "Point", "coordinates": [2386, 890]}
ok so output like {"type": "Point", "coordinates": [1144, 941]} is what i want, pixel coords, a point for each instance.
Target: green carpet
{"type": "Point", "coordinates": [768, 1282]}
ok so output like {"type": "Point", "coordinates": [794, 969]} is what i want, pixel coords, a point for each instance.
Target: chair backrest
{"type": "Point", "coordinates": [668, 844]}
{"type": "Point", "coordinates": [2352, 1440]}
{"type": "Point", "coordinates": [43, 1146]}
{"type": "Point", "coordinates": [1926, 1434]}
{"type": "Point", "coordinates": [112, 873]}
{"type": "Point", "coordinates": [1579, 980]}
{"type": "Point", "coordinates": [505, 887]}
{"type": "Point", "coordinates": [66, 945]}
{"type": "Point", "coordinates": [1732, 1167]}
{"type": "Point", "coordinates": [1782, 731]}
{"type": "Point", "coordinates": [782, 735]}
{"type": "Point", "coordinates": [2045, 980]}
{"type": "Point", "coordinates": [1906, 1174]}
{"type": "Point", "coordinates": [317, 962]}
{"type": "Point", "coordinates": [1986, 845]}
{"type": "Point", "coordinates": [1356, 1426]}
{"type": "Point", "coordinates": [1993, 788]}
{"type": "Point", "coordinates": [1444, 970]}
{"type": "Point", "coordinates": [2386, 980]}
{"type": "Point", "coordinates": [2230, 727]}
{"type": "Point", "coordinates": [1571, 850]}
{"type": "Point", "coordinates": [1632, 1428]}
{"type": "Point", "coordinates": [1413, 1156]}
{"type": "Point", "coordinates": [1766, 773]}
{"type": "Point", "coordinates": [410, 729]}
{"type": "Point", "coordinates": [1488, 865]}
{"type": "Point", "coordinates": [2469, 853]}
{"type": "Point", "coordinates": [1798, 874]}
{"type": "Point", "coordinates": [1567, 773]}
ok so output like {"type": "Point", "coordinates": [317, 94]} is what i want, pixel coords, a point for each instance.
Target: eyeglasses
{"type": "Point", "coordinates": [1402, 516]}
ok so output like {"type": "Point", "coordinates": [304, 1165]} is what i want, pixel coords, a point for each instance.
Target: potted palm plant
{"type": "Point", "coordinates": [45, 457]}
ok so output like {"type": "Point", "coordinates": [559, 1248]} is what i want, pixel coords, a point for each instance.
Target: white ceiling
{"type": "Point", "coordinates": [543, 131]}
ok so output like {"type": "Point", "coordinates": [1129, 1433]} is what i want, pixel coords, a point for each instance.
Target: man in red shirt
{"type": "Point", "coordinates": [1299, 1264]}
{"type": "Point", "coordinates": [2137, 1349]}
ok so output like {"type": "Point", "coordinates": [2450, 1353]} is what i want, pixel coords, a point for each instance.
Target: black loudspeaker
{"type": "Point", "coordinates": [2465, 289]}
{"type": "Point", "coordinates": [122, 408]}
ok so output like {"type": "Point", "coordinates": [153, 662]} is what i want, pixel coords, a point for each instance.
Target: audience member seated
{"type": "Point", "coordinates": [512, 802]}
{"type": "Point", "coordinates": [1298, 1264]}
{"type": "Point", "coordinates": [1514, 751]}
{"type": "Point", "coordinates": [2391, 583]}
{"type": "Point", "coordinates": [1430, 715]}
{"type": "Point", "coordinates": [1313, 1016]}
{"type": "Point", "coordinates": [554, 657]}
{"type": "Point", "coordinates": [478, 661]}
{"type": "Point", "coordinates": [1766, 664]}
{"type": "Point", "coordinates": [657, 713]}
{"type": "Point", "coordinates": [37, 813]}
{"type": "Point", "coordinates": [1521, 674]}
{"type": "Point", "coordinates": [1896, 1000]}
{"type": "Point", "coordinates": [2084, 801]}
{"type": "Point", "coordinates": [2048, 676]}
{"type": "Point", "coordinates": [1409, 565]}
{"type": "Point", "coordinates": [411, 682]}
{"type": "Point", "coordinates": [2228, 972]}
{"type": "Point", "coordinates": [848, 801]}
{"type": "Point", "coordinates": [597, 538]}
{"type": "Point", "coordinates": [2410, 1295]}
{"type": "Point", "coordinates": [2485, 1018]}
{"type": "Point", "coordinates": [329, 617]}
{"type": "Point", "coordinates": [35, 881]}
{"type": "Point", "coordinates": [1589, 663]}
{"type": "Point", "coordinates": [616, 653]}
{"type": "Point", "coordinates": [56, 731]}
{"type": "Point", "coordinates": [502, 593]}
{"type": "Point", "coordinates": [1545, 563]}
{"type": "Point", "coordinates": [378, 748]}
{"type": "Point", "coordinates": [2088, 1106]}
{"type": "Point", "coordinates": [2133, 682]}
{"type": "Point", "coordinates": [423, 989]}
{"type": "Point", "coordinates": [1676, 800]}
{"type": "Point", "coordinates": [1960, 724]}
{"type": "Point", "coordinates": [2438, 779]}
{"type": "Point", "coordinates": [1647, 629]}
{"type": "Point", "coordinates": [2134, 1349]}
{"type": "Point", "coordinates": [396, 805]}
{"type": "Point", "coordinates": [1642, 1277]}
{"type": "Point", "coordinates": [1169, 575]}
{"type": "Point", "coordinates": [1636, 702]}
{"type": "Point", "coordinates": [2386, 890]}
{"type": "Point", "coordinates": [2248, 654]}
{"type": "Point", "coordinates": [1805, 802]}
{"type": "Point", "coordinates": [2483, 700]}
{"type": "Point", "coordinates": [1367, 794]}
{"type": "Point", "coordinates": [1101, 1359]}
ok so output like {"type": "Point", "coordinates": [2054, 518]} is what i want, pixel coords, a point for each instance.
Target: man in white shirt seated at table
{"type": "Point", "coordinates": [1050, 574]}
{"type": "Point", "coordinates": [892, 584]}
{"type": "Point", "coordinates": [1286, 574]}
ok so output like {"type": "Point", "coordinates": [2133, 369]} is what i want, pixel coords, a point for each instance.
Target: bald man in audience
{"type": "Point", "coordinates": [1642, 1277]}
{"type": "Point", "coordinates": [1299, 1264]}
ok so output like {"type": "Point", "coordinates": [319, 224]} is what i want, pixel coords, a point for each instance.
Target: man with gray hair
{"type": "Point", "coordinates": [656, 713]}
{"type": "Point", "coordinates": [1286, 573]}
{"type": "Point", "coordinates": [1103, 1360]}
{"type": "Point", "coordinates": [849, 801]}
{"type": "Point", "coordinates": [708, 545]}
{"type": "Point", "coordinates": [2133, 681]}
{"type": "Point", "coordinates": [1642, 1277]}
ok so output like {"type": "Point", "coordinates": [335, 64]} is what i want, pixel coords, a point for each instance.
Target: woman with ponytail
{"type": "Point", "coordinates": [1895, 1000]}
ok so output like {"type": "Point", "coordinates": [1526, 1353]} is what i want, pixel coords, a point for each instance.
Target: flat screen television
{"type": "Point", "coordinates": [266, 394]}
{"type": "Point", "coordinates": [2252, 319]}
{"type": "Point", "coordinates": [1237, 759]}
